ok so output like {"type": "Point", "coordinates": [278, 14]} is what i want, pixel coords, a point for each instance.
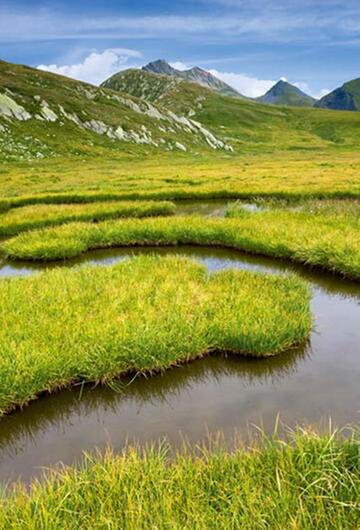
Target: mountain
{"type": "Point", "coordinates": [161, 67]}
{"type": "Point", "coordinates": [283, 93]}
{"type": "Point", "coordinates": [47, 115]}
{"type": "Point", "coordinates": [44, 115]}
{"type": "Point", "coordinates": [347, 97]}
{"type": "Point", "coordinates": [194, 75]}
{"type": "Point", "coordinates": [244, 124]}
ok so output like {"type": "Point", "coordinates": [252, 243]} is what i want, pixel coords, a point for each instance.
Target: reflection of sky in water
{"type": "Point", "coordinates": [208, 395]}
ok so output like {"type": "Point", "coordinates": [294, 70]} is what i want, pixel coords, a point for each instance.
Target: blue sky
{"type": "Point", "coordinates": [250, 44]}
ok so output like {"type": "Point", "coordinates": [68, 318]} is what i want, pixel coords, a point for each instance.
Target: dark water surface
{"type": "Point", "coordinates": [213, 394]}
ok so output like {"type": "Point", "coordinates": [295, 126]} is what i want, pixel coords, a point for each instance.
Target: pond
{"type": "Point", "coordinates": [227, 394]}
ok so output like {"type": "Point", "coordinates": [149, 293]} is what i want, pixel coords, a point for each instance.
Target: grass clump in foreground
{"type": "Point", "coordinates": [31, 217]}
{"type": "Point", "coordinates": [330, 242]}
{"type": "Point", "coordinates": [143, 315]}
{"type": "Point", "coordinates": [306, 482]}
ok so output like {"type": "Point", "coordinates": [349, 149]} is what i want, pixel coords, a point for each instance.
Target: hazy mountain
{"type": "Point", "coordinates": [347, 97]}
{"type": "Point", "coordinates": [194, 75]}
{"type": "Point", "coordinates": [283, 93]}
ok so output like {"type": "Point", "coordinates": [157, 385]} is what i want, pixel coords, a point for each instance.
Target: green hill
{"type": "Point", "coordinates": [244, 124]}
{"type": "Point", "coordinates": [44, 115]}
{"type": "Point", "coordinates": [283, 93]}
{"type": "Point", "coordinates": [141, 84]}
{"type": "Point", "coordinates": [347, 97]}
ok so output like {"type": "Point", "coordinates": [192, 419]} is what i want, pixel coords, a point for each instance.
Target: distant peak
{"type": "Point", "coordinates": [159, 62]}
{"type": "Point", "coordinates": [195, 75]}
{"type": "Point", "coordinates": [198, 69]}
{"type": "Point", "coordinates": [160, 66]}
{"type": "Point", "coordinates": [282, 82]}
{"type": "Point", "coordinates": [284, 93]}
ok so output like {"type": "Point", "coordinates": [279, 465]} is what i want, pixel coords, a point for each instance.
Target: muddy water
{"type": "Point", "coordinates": [214, 394]}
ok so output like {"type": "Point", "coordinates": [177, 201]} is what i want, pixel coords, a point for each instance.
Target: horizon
{"type": "Point", "coordinates": [310, 44]}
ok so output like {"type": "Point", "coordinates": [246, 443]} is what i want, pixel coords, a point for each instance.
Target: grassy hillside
{"type": "Point", "coordinates": [46, 115]}
{"type": "Point", "coordinates": [245, 124]}
{"type": "Point", "coordinates": [43, 115]}
{"type": "Point", "coordinates": [149, 86]}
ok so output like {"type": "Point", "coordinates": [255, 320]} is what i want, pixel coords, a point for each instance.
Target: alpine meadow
{"type": "Point", "coordinates": [179, 266]}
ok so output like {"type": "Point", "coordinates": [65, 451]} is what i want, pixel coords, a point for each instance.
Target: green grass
{"type": "Point", "coordinates": [144, 315]}
{"type": "Point", "coordinates": [185, 192]}
{"type": "Point", "coordinates": [292, 175]}
{"type": "Point", "coordinates": [306, 482]}
{"type": "Point", "coordinates": [30, 217]}
{"type": "Point", "coordinates": [329, 242]}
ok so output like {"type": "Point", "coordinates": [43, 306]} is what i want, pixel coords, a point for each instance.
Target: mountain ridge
{"type": "Point", "coordinates": [194, 75]}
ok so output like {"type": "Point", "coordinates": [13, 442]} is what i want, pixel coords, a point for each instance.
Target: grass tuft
{"type": "Point", "coordinates": [306, 482]}
{"type": "Point", "coordinates": [329, 242]}
{"type": "Point", "coordinates": [40, 216]}
{"type": "Point", "coordinates": [143, 315]}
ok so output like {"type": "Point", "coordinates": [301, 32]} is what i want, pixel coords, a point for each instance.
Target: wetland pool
{"type": "Point", "coordinates": [227, 394]}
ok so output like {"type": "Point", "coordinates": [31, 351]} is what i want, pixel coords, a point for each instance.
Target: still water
{"type": "Point", "coordinates": [225, 394]}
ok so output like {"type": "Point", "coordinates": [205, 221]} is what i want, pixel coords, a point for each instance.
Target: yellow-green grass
{"type": "Point", "coordinates": [202, 193]}
{"type": "Point", "coordinates": [300, 172]}
{"type": "Point", "coordinates": [143, 315]}
{"type": "Point", "coordinates": [331, 243]}
{"type": "Point", "coordinates": [305, 482]}
{"type": "Point", "coordinates": [42, 215]}
{"type": "Point", "coordinates": [345, 208]}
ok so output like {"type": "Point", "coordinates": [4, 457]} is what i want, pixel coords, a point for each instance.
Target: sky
{"type": "Point", "coordinates": [251, 44]}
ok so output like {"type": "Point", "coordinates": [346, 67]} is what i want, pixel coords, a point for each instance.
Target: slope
{"type": "Point", "coordinates": [244, 124]}
{"type": "Point", "coordinates": [45, 115]}
{"type": "Point", "coordinates": [347, 97]}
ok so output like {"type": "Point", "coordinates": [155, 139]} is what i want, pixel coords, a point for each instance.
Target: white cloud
{"type": "Point", "coordinates": [308, 90]}
{"type": "Point", "coordinates": [245, 84]}
{"type": "Point", "coordinates": [322, 93]}
{"type": "Point", "coordinates": [254, 87]}
{"type": "Point", "coordinates": [179, 65]}
{"type": "Point", "coordinates": [96, 67]}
